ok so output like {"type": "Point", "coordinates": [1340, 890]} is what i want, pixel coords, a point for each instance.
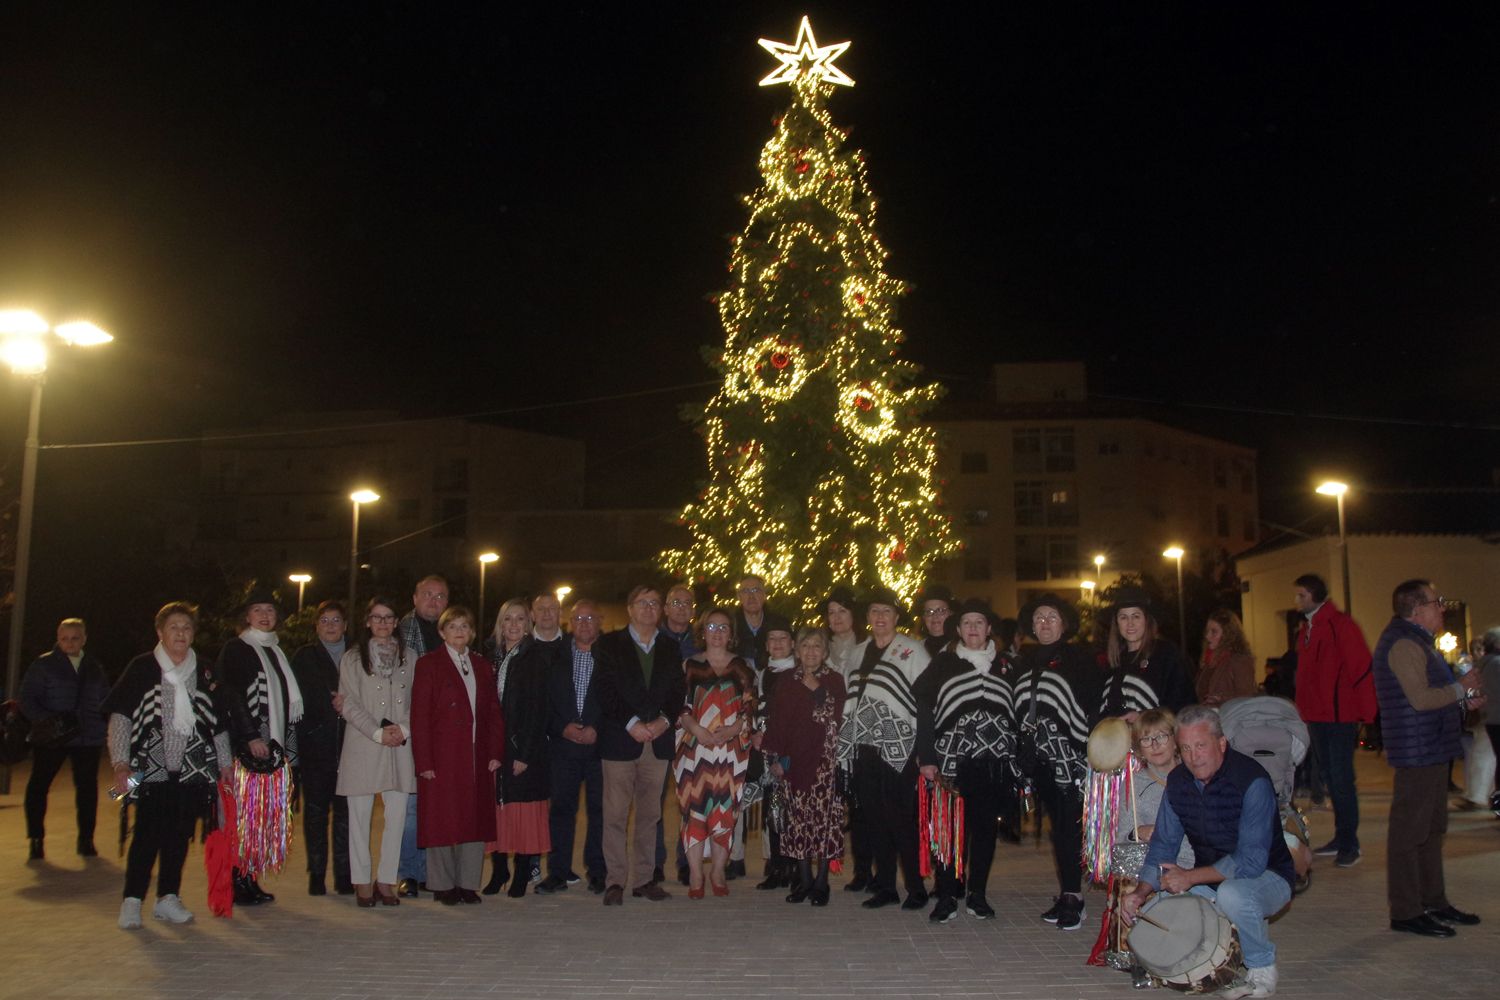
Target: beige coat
{"type": "Point", "coordinates": [366, 767]}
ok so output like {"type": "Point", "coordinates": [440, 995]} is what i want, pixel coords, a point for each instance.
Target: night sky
{"type": "Point", "coordinates": [1274, 210]}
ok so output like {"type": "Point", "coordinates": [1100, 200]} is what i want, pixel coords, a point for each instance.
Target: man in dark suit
{"type": "Point", "coordinates": [320, 741]}
{"type": "Point", "coordinates": [573, 753]}
{"type": "Point", "coordinates": [640, 681]}
{"type": "Point", "coordinates": [66, 680]}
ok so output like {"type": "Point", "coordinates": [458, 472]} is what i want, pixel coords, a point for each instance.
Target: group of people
{"type": "Point", "coordinates": [481, 747]}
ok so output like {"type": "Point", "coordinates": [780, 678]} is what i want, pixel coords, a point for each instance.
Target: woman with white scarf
{"type": "Point", "coordinates": [966, 735]}
{"type": "Point", "coordinates": [261, 696]}
{"type": "Point", "coordinates": [164, 734]}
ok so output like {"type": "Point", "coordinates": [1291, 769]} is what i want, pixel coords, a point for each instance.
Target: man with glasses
{"type": "Point", "coordinates": [320, 741]}
{"type": "Point", "coordinates": [752, 622]}
{"type": "Point", "coordinates": [419, 631]}
{"type": "Point", "coordinates": [641, 688]}
{"type": "Point", "coordinates": [1334, 695]}
{"type": "Point", "coordinates": [573, 720]}
{"type": "Point", "coordinates": [1421, 713]}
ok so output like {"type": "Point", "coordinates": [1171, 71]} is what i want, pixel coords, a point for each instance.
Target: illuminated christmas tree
{"type": "Point", "coordinates": [820, 469]}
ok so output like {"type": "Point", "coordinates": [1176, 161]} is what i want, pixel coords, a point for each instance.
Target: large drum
{"type": "Point", "coordinates": [1198, 950]}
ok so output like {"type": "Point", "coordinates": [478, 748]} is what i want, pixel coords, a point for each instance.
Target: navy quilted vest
{"type": "Point", "coordinates": [1211, 817]}
{"type": "Point", "coordinates": [1412, 738]}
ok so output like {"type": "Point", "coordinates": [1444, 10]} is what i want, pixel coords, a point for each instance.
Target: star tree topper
{"type": "Point", "coordinates": [806, 58]}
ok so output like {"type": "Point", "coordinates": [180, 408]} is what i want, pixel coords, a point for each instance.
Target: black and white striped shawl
{"type": "Point", "coordinates": [1064, 682]}
{"type": "Point", "coordinates": [137, 696]}
{"type": "Point", "coordinates": [963, 712]}
{"type": "Point", "coordinates": [880, 710]}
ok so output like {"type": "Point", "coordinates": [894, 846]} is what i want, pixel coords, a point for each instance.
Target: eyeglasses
{"type": "Point", "coordinates": [751, 590]}
{"type": "Point", "coordinates": [679, 603]}
{"type": "Point", "coordinates": [716, 627]}
{"type": "Point", "coordinates": [936, 613]}
{"type": "Point", "coordinates": [1155, 741]}
{"type": "Point", "coordinates": [1435, 600]}
{"type": "Point", "coordinates": [584, 619]}
{"type": "Point", "coordinates": [380, 619]}
{"type": "Point", "coordinates": [1044, 619]}
{"type": "Point", "coordinates": [648, 604]}
{"type": "Point", "coordinates": [330, 620]}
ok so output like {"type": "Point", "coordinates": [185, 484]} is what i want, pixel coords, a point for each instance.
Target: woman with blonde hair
{"type": "Point", "coordinates": [1228, 667]}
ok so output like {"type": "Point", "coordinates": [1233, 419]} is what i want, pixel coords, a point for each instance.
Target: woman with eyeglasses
{"type": "Point", "coordinates": [375, 679]}
{"type": "Point", "coordinates": [1058, 689]}
{"type": "Point", "coordinates": [713, 749]}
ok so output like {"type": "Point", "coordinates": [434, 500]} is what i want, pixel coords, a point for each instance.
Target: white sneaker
{"type": "Point", "coordinates": [130, 914]}
{"type": "Point", "coordinates": [1257, 983]}
{"type": "Point", "coordinates": [170, 909]}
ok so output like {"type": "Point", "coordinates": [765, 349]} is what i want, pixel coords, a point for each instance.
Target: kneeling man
{"type": "Point", "coordinates": [1224, 804]}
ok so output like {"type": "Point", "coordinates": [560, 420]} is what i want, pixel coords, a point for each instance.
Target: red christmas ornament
{"type": "Point", "coordinates": [898, 554]}
{"type": "Point", "coordinates": [859, 297]}
{"type": "Point", "coordinates": [802, 167]}
{"type": "Point", "coordinates": [864, 403]}
{"type": "Point", "coordinates": [780, 360]}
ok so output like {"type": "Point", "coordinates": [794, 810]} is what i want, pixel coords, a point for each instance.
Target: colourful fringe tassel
{"type": "Point", "coordinates": [940, 827]}
{"type": "Point", "coordinates": [1104, 797]}
{"type": "Point", "coordinates": [264, 813]}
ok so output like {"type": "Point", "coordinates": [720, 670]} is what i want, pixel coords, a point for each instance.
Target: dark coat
{"type": "Point", "coordinates": [751, 646]}
{"type": "Point", "coordinates": [457, 806]}
{"type": "Point", "coordinates": [624, 693]}
{"type": "Point", "coordinates": [51, 685]}
{"type": "Point", "coordinates": [562, 705]}
{"type": "Point", "coordinates": [525, 708]}
{"type": "Point", "coordinates": [320, 733]}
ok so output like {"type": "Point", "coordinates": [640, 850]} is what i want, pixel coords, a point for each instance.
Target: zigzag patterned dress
{"type": "Point", "coordinates": [710, 780]}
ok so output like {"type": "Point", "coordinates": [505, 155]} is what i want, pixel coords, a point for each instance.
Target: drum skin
{"type": "Point", "coordinates": [1199, 952]}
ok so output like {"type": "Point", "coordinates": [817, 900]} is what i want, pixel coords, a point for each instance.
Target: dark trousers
{"type": "Point", "coordinates": [165, 814]}
{"type": "Point", "coordinates": [1334, 743]}
{"type": "Point", "coordinates": [566, 774]}
{"type": "Point", "coordinates": [1414, 843]}
{"type": "Point", "coordinates": [984, 786]}
{"type": "Point", "coordinates": [859, 842]}
{"type": "Point", "coordinates": [1065, 809]}
{"type": "Point", "coordinates": [319, 802]}
{"type": "Point", "coordinates": [888, 814]}
{"type": "Point", "coordinates": [44, 767]}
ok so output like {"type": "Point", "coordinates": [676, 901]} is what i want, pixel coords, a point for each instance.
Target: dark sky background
{"type": "Point", "coordinates": [448, 210]}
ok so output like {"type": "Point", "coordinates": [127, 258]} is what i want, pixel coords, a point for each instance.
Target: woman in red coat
{"type": "Point", "coordinates": [457, 741]}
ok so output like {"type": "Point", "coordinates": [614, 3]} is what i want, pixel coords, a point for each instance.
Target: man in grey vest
{"type": "Point", "coordinates": [1421, 716]}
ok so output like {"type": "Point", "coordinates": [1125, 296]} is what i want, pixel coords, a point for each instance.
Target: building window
{"type": "Point", "coordinates": [1057, 442]}
{"type": "Point", "coordinates": [1062, 506]}
{"type": "Point", "coordinates": [1046, 505]}
{"type": "Point", "coordinates": [1248, 532]}
{"type": "Point", "coordinates": [317, 512]}
{"type": "Point", "coordinates": [976, 567]}
{"type": "Point", "coordinates": [1221, 474]}
{"type": "Point", "coordinates": [974, 462]}
{"type": "Point", "coordinates": [451, 476]}
{"type": "Point", "coordinates": [1109, 446]}
{"type": "Point", "coordinates": [453, 518]}
{"type": "Point", "coordinates": [1221, 520]}
{"type": "Point", "coordinates": [1026, 449]}
{"type": "Point", "coordinates": [1247, 481]}
{"type": "Point", "coordinates": [1046, 557]}
{"type": "Point", "coordinates": [1062, 556]}
{"type": "Point", "coordinates": [1030, 511]}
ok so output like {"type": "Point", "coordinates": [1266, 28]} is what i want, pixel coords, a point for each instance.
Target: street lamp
{"type": "Point", "coordinates": [1336, 489]}
{"type": "Point", "coordinates": [562, 592]}
{"type": "Point", "coordinates": [1098, 567]}
{"type": "Point", "coordinates": [1176, 552]}
{"type": "Point", "coordinates": [301, 580]}
{"type": "Point", "coordinates": [485, 558]}
{"type": "Point", "coordinates": [1087, 586]}
{"type": "Point", "coordinates": [361, 496]}
{"type": "Point", "coordinates": [23, 347]}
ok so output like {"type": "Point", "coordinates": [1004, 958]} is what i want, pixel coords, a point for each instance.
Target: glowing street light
{"type": "Point", "coordinates": [1334, 488]}
{"type": "Point", "coordinates": [1177, 552]}
{"type": "Point", "coordinates": [1098, 568]}
{"type": "Point", "coordinates": [23, 348]}
{"type": "Point", "coordinates": [485, 558]}
{"type": "Point", "coordinates": [562, 592]}
{"type": "Point", "coordinates": [301, 580]}
{"type": "Point", "coordinates": [1087, 586]}
{"type": "Point", "coordinates": [358, 497]}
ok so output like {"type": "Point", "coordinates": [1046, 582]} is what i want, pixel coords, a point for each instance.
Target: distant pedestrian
{"type": "Point", "coordinates": [1228, 667]}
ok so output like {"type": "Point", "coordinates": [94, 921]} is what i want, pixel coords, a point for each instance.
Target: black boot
{"type": "Point", "coordinates": [521, 882]}
{"type": "Point", "coordinates": [261, 895]}
{"type": "Point", "coordinates": [819, 894]}
{"type": "Point", "coordinates": [775, 875]}
{"type": "Point", "coordinates": [243, 894]}
{"type": "Point", "coordinates": [804, 883]}
{"type": "Point", "coordinates": [499, 874]}
{"type": "Point", "coordinates": [37, 854]}
{"type": "Point", "coordinates": [317, 868]}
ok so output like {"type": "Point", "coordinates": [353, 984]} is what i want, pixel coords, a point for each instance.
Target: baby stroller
{"type": "Point", "coordinates": [1270, 730]}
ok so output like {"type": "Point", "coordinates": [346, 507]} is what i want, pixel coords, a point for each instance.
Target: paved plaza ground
{"type": "Point", "coordinates": [57, 919]}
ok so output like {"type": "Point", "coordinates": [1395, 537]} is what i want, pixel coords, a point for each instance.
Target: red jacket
{"type": "Point", "coordinates": [1334, 683]}
{"type": "Point", "coordinates": [458, 805]}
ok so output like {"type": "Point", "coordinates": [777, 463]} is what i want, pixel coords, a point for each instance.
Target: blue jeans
{"type": "Point", "coordinates": [413, 858]}
{"type": "Point", "coordinates": [1334, 744]}
{"type": "Point", "coordinates": [1247, 902]}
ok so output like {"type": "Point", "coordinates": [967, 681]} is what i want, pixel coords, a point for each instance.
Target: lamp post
{"type": "Point", "coordinates": [1336, 489]}
{"type": "Point", "coordinates": [357, 498]}
{"type": "Point", "coordinates": [23, 347]}
{"type": "Point", "coordinates": [1098, 568]}
{"type": "Point", "coordinates": [301, 580]}
{"type": "Point", "coordinates": [1177, 552]}
{"type": "Point", "coordinates": [485, 558]}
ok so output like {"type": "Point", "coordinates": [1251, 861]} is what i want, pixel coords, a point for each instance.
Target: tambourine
{"type": "Point", "coordinates": [1109, 745]}
{"type": "Point", "coordinates": [269, 764]}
